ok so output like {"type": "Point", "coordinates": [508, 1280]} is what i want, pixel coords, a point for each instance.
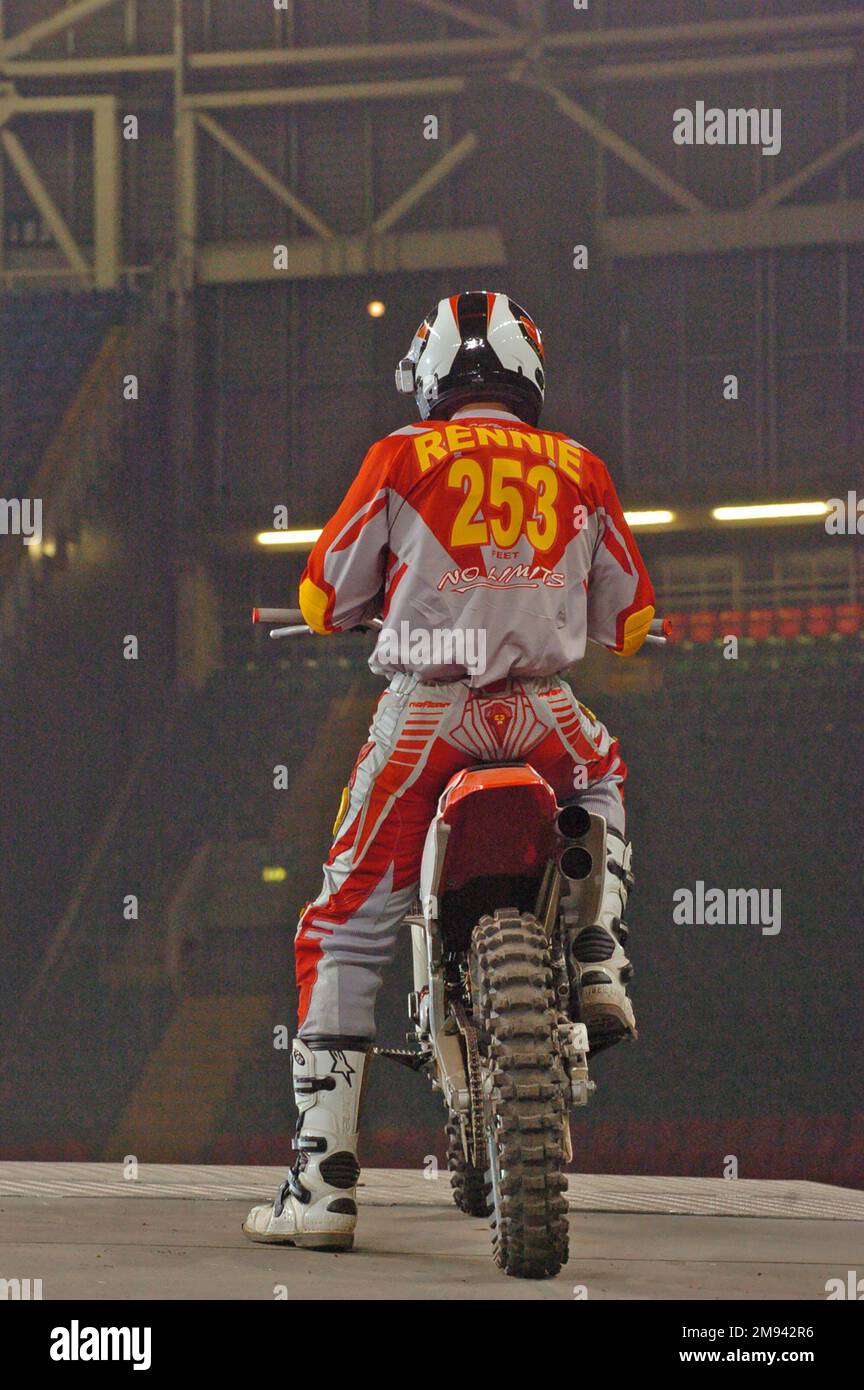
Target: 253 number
{"type": "Point", "coordinates": [497, 491]}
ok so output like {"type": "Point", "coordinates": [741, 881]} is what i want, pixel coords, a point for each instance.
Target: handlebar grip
{"type": "Point", "coordinates": [661, 627]}
{"type": "Point", "coordinates": [289, 616]}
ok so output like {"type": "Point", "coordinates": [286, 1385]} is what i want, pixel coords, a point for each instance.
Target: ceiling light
{"type": "Point", "coordinates": [658, 518]}
{"type": "Point", "coordinates": [769, 511]}
{"type": "Point", "coordinates": [308, 537]}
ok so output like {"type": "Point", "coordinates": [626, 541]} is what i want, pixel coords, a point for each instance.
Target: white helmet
{"type": "Point", "coordinates": [473, 347]}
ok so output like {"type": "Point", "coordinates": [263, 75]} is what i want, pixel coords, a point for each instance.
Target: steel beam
{"type": "Point", "coordinates": [53, 106]}
{"type": "Point", "coordinates": [610, 74]}
{"type": "Point", "coordinates": [62, 19]}
{"type": "Point", "coordinates": [38, 193]}
{"type": "Point", "coordinates": [352, 54]}
{"type": "Point", "coordinates": [816, 166]}
{"type": "Point", "coordinates": [106, 179]}
{"type": "Point", "coordinates": [86, 67]}
{"type": "Point", "coordinates": [311, 258]}
{"type": "Point", "coordinates": [719, 65]}
{"type": "Point", "coordinates": [707, 31]}
{"type": "Point", "coordinates": [617, 145]}
{"type": "Point", "coordinates": [689, 234]}
{"type": "Point", "coordinates": [500, 41]}
{"type": "Point", "coordinates": [576, 40]}
{"type": "Point", "coordinates": [426, 182]}
{"type": "Point", "coordinates": [313, 96]}
{"type": "Point", "coordinates": [263, 175]}
{"type": "Point", "coordinates": [185, 205]}
{"type": "Point", "coordinates": [485, 22]}
{"type": "Point", "coordinates": [107, 214]}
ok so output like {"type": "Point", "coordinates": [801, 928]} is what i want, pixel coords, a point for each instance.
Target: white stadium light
{"type": "Point", "coordinates": [308, 537]}
{"type": "Point", "coordinates": [770, 511]}
{"type": "Point", "coordinates": [659, 518]}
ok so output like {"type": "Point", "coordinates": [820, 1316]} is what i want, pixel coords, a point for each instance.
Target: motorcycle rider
{"type": "Point", "coordinates": [472, 521]}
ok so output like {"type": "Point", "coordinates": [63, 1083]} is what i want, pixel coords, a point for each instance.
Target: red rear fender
{"type": "Point", "coordinates": [502, 821]}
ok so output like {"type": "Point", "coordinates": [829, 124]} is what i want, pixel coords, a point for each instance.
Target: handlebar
{"type": "Point", "coordinates": [660, 629]}
{"type": "Point", "coordinates": [293, 622]}
{"type": "Point", "coordinates": [278, 615]}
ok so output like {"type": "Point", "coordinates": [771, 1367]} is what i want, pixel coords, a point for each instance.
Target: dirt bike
{"type": "Point", "coordinates": [508, 878]}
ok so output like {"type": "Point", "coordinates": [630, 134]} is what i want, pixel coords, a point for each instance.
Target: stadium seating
{"type": "Point", "coordinates": [48, 340]}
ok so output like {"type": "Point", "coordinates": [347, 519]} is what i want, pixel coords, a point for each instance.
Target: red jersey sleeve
{"type": "Point", "coordinates": [345, 571]}
{"type": "Point", "coordinates": [620, 593]}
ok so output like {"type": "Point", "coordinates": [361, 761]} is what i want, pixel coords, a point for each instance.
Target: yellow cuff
{"type": "Point", "coordinates": [342, 812]}
{"type": "Point", "coordinates": [313, 606]}
{"type": "Point", "coordinates": [636, 630]}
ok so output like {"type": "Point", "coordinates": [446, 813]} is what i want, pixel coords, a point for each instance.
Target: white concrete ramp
{"type": "Point", "coordinates": [173, 1232]}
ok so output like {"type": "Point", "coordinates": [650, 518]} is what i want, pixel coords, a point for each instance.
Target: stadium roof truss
{"type": "Point", "coordinates": [555, 65]}
{"type": "Point", "coordinates": [103, 270]}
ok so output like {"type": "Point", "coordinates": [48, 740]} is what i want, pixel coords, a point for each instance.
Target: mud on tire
{"type": "Point", "coordinates": [514, 1013]}
{"type": "Point", "coordinates": [470, 1188]}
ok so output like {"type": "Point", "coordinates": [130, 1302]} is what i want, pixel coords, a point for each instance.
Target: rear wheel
{"type": "Point", "coordinates": [470, 1190]}
{"type": "Point", "coordinates": [525, 1085]}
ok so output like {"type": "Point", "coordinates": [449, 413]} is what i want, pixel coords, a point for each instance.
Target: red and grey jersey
{"type": "Point", "coordinates": [480, 526]}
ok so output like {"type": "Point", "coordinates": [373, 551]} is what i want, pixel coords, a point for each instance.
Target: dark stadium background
{"type": "Point", "coordinates": [260, 387]}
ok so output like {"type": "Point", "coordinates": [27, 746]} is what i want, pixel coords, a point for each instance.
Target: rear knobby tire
{"type": "Point", "coordinates": [470, 1189]}
{"type": "Point", "coordinates": [514, 1012]}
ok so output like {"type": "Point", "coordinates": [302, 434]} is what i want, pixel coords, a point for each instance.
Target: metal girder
{"type": "Point", "coordinates": [706, 31]}
{"type": "Point", "coordinates": [352, 54]}
{"type": "Point", "coordinates": [500, 45]}
{"type": "Point", "coordinates": [103, 274]}
{"type": "Point", "coordinates": [186, 203]}
{"type": "Point", "coordinates": [53, 106]}
{"type": "Point", "coordinates": [342, 91]}
{"type": "Point", "coordinates": [816, 166]}
{"type": "Point", "coordinates": [62, 19]}
{"type": "Point", "coordinates": [313, 258]}
{"type": "Point", "coordinates": [618, 146]}
{"type": "Point", "coordinates": [722, 64]}
{"type": "Point", "coordinates": [41, 198]}
{"type": "Point", "coordinates": [107, 211]}
{"type": "Point", "coordinates": [504, 45]}
{"type": "Point", "coordinates": [688, 234]}
{"type": "Point", "coordinates": [426, 182]}
{"type": "Point", "coordinates": [264, 176]}
{"type": "Point", "coordinates": [606, 75]}
{"type": "Point", "coordinates": [485, 22]}
{"type": "Point", "coordinates": [86, 67]}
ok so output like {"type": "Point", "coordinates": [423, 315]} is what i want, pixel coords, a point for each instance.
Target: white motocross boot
{"type": "Point", "coordinates": [316, 1205]}
{"type": "Point", "coordinates": [598, 954]}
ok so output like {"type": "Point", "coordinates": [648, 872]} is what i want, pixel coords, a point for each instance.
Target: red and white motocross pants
{"type": "Point", "coordinates": [420, 736]}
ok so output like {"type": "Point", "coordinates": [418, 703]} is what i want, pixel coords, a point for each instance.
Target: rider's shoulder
{"type": "Point", "coordinates": [592, 467]}
{"type": "Point", "coordinates": [395, 443]}
{"type": "Point", "coordinates": [389, 448]}
{"type": "Point", "coordinates": [418, 427]}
